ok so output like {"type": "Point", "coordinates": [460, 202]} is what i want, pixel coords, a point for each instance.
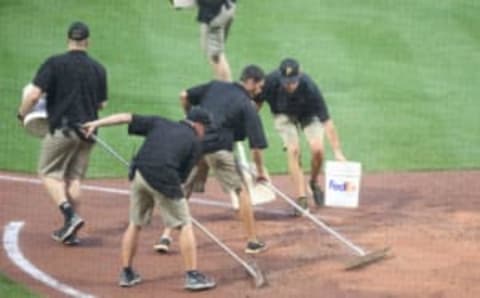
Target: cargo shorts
{"type": "Point", "coordinates": [174, 212]}
{"type": "Point", "coordinates": [214, 35]}
{"type": "Point", "coordinates": [225, 170]}
{"type": "Point", "coordinates": [64, 155]}
{"type": "Point", "coordinates": [289, 127]}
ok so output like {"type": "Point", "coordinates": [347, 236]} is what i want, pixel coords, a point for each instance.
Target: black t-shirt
{"type": "Point", "coordinates": [305, 102]}
{"type": "Point", "coordinates": [75, 84]}
{"type": "Point", "coordinates": [234, 116]}
{"type": "Point", "coordinates": [168, 154]}
{"type": "Point", "coordinates": [209, 9]}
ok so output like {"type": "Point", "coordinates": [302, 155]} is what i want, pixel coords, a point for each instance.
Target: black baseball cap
{"type": "Point", "coordinates": [198, 114]}
{"type": "Point", "coordinates": [289, 71]}
{"type": "Point", "coordinates": [78, 31]}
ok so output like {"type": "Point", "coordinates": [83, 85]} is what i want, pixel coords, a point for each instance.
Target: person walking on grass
{"type": "Point", "coordinates": [76, 88]}
{"type": "Point", "coordinates": [297, 104]}
{"type": "Point", "coordinates": [162, 164]}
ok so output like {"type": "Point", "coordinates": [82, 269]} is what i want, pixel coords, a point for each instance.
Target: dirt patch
{"type": "Point", "coordinates": [431, 221]}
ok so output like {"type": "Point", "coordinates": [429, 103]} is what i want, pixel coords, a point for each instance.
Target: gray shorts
{"type": "Point", "coordinates": [64, 156]}
{"type": "Point", "coordinates": [288, 128]}
{"type": "Point", "coordinates": [174, 212]}
{"type": "Point", "coordinates": [224, 168]}
{"type": "Point", "coordinates": [214, 34]}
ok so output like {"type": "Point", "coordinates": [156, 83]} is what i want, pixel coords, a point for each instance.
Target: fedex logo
{"type": "Point", "coordinates": [341, 186]}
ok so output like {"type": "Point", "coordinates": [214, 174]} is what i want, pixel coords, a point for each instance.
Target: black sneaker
{"type": "Point", "coordinates": [318, 195]}
{"type": "Point", "coordinates": [163, 245]}
{"type": "Point", "coordinates": [303, 203]}
{"type": "Point", "coordinates": [69, 228]}
{"type": "Point", "coordinates": [197, 281]}
{"type": "Point", "coordinates": [129, 278]}
{"type": "Point", "coordinates": [255, 247]}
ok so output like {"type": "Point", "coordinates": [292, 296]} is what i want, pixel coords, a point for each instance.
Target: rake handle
{"type": "Point", "coordinates": [110, 150]}
{"type": "Point", "coordinates": [331, 231]}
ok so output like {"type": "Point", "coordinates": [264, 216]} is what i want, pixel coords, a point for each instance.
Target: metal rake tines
{"type": "Point", "coordinates": [367, 259]}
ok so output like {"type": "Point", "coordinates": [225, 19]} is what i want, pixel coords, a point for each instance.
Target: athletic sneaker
{"type": "Point", "coordinates": [318, 196]}
{"type": "Point", "coordinates": [197, 281]}
{"type": "Point", "coordinates": [255, 247]}
{"type": "Point", "coordinates": [73, 240]}
{"type": "Point", "coordinates": [163, 245]}
{"type": "Point", "coordinates": [69, 241]}
{"type": "Point", "coordinates": [69, 228]}
{"type": "Point", "coordinates": [129, 278]}
{"type": "Point", "coordinates": [303, 203]}
{"type": "Point", "coordinates": [57, 235]}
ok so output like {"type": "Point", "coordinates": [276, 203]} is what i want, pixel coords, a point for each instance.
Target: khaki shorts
{"type": "Point", "coordinates": [64, 157]}
{"type": "Point", "coordinates": [288, 128]}
{"type": "Point", "coordinates": [214, 34]}
{"type": "Point", "coordinates": [224, 168]}
{"type": "Point", "coordinates": [174, 212]}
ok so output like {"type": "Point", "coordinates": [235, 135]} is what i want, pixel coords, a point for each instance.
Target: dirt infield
{"type": "Point", "coordinates": [431, 221]}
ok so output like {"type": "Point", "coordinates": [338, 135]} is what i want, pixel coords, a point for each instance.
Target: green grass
{"type": "Point", "coordinates": [400, 77]}
{"type": "Point", "coordinates": [9, 288]}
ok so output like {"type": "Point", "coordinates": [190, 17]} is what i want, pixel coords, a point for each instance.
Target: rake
{"type": "Point", "coordinates": [362, 259]}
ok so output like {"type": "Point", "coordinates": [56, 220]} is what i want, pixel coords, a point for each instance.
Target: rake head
{"type": "Point", "coordinates": [259, 280]}
{"type": "Point", "coordinates": [372, 257]}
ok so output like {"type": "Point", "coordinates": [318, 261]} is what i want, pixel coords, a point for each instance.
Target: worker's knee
{"type": "Point", "coordinates": [316, 150]}
{"type": "Point", "coordinates": [293, 151]}
{"type": "Point", "coordinates": [316, 147]}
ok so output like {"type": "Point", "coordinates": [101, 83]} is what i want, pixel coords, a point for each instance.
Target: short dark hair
{"type": "Point", "coordinates": [253, 72]}
{"type": "Point", "coordinates": [78, 31]}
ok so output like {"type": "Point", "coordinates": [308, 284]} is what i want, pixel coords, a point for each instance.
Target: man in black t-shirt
{"type": "Point", "coordinates": [297, 104]}
{"type": "Point", "coordinates": [234, 119]}
{"type": "Point", "coordinates": [76, 88]}
{"type": "Point", "coordinates": [162, 164]}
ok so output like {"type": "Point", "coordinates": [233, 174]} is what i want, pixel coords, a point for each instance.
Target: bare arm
{"type": "Point", "coordinates": [114, 119]}
{"type": "Point", "coordinates": [257, 157]}
{"type": "Point", "coordinates": [29, 101]}
{"type": "Point", "coordinates": [334, 140]}
{"type": "Point", "coordinates": [184, 101]}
